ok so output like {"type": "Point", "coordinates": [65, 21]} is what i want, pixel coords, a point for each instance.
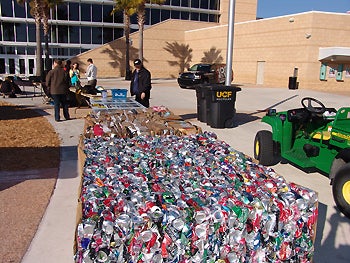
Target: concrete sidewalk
{"type": "Point", "coordinates": [54, 239]}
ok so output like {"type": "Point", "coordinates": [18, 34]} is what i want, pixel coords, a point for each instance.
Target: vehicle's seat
{"type": "Point", "coordinates": [321, 135]}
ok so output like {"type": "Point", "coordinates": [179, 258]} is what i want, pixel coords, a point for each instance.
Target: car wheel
{"type": "Point", "coordinates": [341, 189]}
{"type": "Point", "coordinates": [263, 148]}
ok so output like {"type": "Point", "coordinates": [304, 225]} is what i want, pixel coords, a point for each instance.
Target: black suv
{"type": "Point", "coordinates": [202, 74]}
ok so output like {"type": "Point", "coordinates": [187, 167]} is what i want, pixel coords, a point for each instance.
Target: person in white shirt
{"type": "Point", "coordinates": [91, 73]}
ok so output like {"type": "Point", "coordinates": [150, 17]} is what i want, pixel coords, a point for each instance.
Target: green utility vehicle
{"type": "Point", "coordinates": [313, 138]}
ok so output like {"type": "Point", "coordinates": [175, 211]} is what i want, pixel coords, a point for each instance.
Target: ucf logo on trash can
{"type": "Point", "coordinates": [223, 95]}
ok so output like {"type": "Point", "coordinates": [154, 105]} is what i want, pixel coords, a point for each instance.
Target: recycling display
{"type": "Point", "coordinates": [186, 198]}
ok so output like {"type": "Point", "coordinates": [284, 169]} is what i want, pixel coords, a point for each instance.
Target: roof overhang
{"type": "Point", "coordinates": [334, 54]}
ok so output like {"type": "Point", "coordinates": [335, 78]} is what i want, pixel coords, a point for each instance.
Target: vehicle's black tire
{"type": "Point", "coordinates": [341, 189]}
{"type": "Point", "coordinates": [264, 148]}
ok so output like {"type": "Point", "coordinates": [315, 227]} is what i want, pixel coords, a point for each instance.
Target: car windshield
{"type": "Point", "coordinates": [200, 67]}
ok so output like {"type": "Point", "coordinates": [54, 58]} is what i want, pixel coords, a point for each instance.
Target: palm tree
{"type": "Point", "coordinates": [47, 6]}
{"type": "Point", "coordinates": [36, 11]}
{"type": "Point", "coordinates": [129, 8]}
{"type": "Point", "coordinates": [141, 14]}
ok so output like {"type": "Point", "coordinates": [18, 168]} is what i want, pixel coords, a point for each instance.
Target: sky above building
{"type": "Point", "coordinates": [272, 8]}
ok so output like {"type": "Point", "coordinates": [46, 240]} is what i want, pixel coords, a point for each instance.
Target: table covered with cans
{"type": "Point", "coordinates": [187, 198]}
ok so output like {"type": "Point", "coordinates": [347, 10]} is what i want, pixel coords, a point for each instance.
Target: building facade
{"type": "Point", "coordinates": [77, 26]}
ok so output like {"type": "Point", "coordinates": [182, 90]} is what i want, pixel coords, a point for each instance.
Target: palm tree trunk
{"type": "Point", "coordinates": [38, 48]}
{"type": "Point", "coordinates": [141, 22]}
{"type": "Point", "coordinates": [127, 42]}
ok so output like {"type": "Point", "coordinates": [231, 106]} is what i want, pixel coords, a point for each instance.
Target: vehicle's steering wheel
{"type": "Point", "coordinates": [310, 108]}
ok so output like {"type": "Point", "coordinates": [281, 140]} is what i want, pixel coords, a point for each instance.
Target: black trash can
{"type": "Point", "coordinates": [292, 84]}
{"type": "Point", "coordinates": [221, 100]}
{"type": "Point", "coordinates": [202, 105]}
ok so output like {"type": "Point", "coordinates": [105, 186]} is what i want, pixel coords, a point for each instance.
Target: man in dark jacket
{"type": "Point", "coordinates": [140, 85]}
{"type": "Point", "coordinates": [57, 81]}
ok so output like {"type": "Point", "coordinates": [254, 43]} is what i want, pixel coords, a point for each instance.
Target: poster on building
{"type": "Point", "coordinates": [332, 70]}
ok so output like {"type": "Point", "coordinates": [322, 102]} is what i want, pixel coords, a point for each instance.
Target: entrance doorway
{"type": "Point", "coordinates": [260, 72]}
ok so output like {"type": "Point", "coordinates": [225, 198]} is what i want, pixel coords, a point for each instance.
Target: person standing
{"type": "Point", "coordinates": [58, 83]}
{"type": "Point", "coordinates": [74, 75]}
{"type": "Point", "coordinates": [140, 84]}
{"type": "Point", "coordinates": [91, 74]}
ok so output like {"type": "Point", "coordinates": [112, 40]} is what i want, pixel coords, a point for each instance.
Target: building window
{"type": "Point", "coordinates": [96, 35]}
{"type": "Point", "coordinates": [347, 71]}
{"type": "Point", "coordinates": [155, 16]}
{"type": "Point", "coordinates": [10, 50]}
{"type": "Point", "coordinates": [62, 34]}
{"type": "Point", "coordinates": [86, 35]}
{"type": "Point", "coordinates": [22, 66]}
{"type": "Point", "coordinates": [185, 3]}
{"type": "Point", "coordinates": [85, 12]}
{"type": "Point", "coordinates": [204, 17]}
{"type": "Point", "coordinates": [165, 14]}
{"type": "Point", "coordinates": [195, 3]}
{"type": "Point", "coordinates": [20, 10]}
{"type": "Point", "coordinates": [6, 8]}
{"type": "Point", "coordinates": [31, 50]}
{"type": "Point", "coordinates": [74, 11]}
{"type": "Point", "coordinates": [12, 67]}
{"type": "Point", "coordinates": [185, 15]}
{"type": "Point", "coordinates": [62, 13]}
{"type": "Point", "coordinates": [332, 69]}
{"type": "Point", "coordinates": [107, 17]}
{"type": "Point", "coordinates": [175, 2]}
{"type": "Point", "coordinates": [21, 50]}
{"type": "Point", "coordinates": [97, 13]}
{"type": "Point", "coordinates": [194, 16]}
{"type": "Point", "coordinates": [31, 66]}
{"type": "Point", "coordinates": [9, 31]}
{"type": "Point", "coordinates": [107, 35]}
{"type": "Point", "coordinates": [74, 34]}
{"type": "Point", "coordinates": [175, 14]}
{"type": "Point", "coordinates": [2, 66]}
{"type": "Point", "coordinates": [31, 33]}
{"type": "Point", "coordinates": [21, 33]}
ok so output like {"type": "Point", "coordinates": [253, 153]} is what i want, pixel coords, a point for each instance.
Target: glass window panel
{"type": "Point", "coordinates": [54, 51]}
{"type": "Point", "coordinates": [74, 11]}
{"type": "Point", "coordinates": [62, 52]}
{"type": "Point", "coordinates": [12, 68]}
{"type": "Point", "coordinates": [185, 15]}
{"type": "Point", "coordinates": [165, 14]}
{"type": "Point", "coordinates": [21, 32]}
{"type": "Point", "coordinates": [175, 14]}
{"type": "Point", "coordinates": [22, 66]}
{"type": "Point", "coordinates": [74, 51]}
{"type": "Point", "coordinates": [30, 51]}
{"type": "Point", "coordinates": [96, 35]}
{"type": "Point", "coordinates": [155, 16]}
{"type": "Point", "coordinates": [9, 31]}
{"type": "Point", "coordinates": [195, 3]}
{"type": "Point", "coordinates": [6, 8]}
{"type": "Point", "coordinates": [147, 14]}
{"type": "Point", "coordinates": [118, 32]}
{"type": "Point", "coordinates": [62, 34]}
{"type": "Point", "coordinates": [214, 4]}
{"type": "Point", "coordinates": [107, 17]}
{"type": "Point", "coordinates": [85, 35]}
{"type": "Point", "coordinates": [2, 66]}
{"type": "Point", "coordinates": [175, 2]}
{"type": "Point", "coordinates": [213, 18]}
{"type": "Point", "coordinates": [20, 10]}
{"type": "Point", "coordinates": [31, 66]}
{"type": "Point", "coordinates": [31, 33]}
{"type": "Point", "coordinates": [204, 4]}
{"type": "Point", "coordinates": [194, 16]}
{"type": "Point", "coordinates": [204, 17]}
{"type": "Point", "coordinates": [74, 34]}
{"type": "Point", "coordinates": [21, 50]}
{"type": "Point", "coordinates": [185, 3]}
{"type": "Point", "coordinates": [118, 17]}
{"type": "Point", "coordinates": [97, 13]}
{"type": "Point", "coordinates": [133, 19]}
{"type": "Point", "coordinates": [62, 13]}
{"type": "Point", "coordinates": [107, 35]}
{"type": "Point", "coordinates": [54, 34]}
{"type": "Point", "coordinates": [85, 12]}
